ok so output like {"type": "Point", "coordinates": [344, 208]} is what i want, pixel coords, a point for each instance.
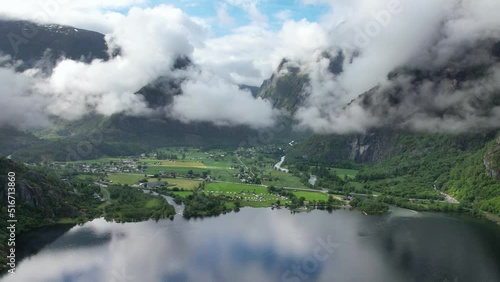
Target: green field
{"type": "Point", "coordinates": [224, 175]}
{"type": "Point", "coordinates": [168, 164]}
{"type": "Point", "coordinates": [200, 162]}
{"type": "Point", "coordinates": [312, 196]}
{"type": "Point", "coordinates": [130, 179]}
{"type": "Point", "coordinates": [216, 173]}
{"type": "Point", "coordinates": [87, 176]}
{"type": "Point", "coordinates": [125, 178]}
{"type": "Point", "coordinates": [234, 187]}
{"type": "Point", "coordinates": [155, 169]}
{"type": "Point", "coordinates": [284, 180]}
{"type": "Point", "coordinates": [251, 195]}
{"type": "Point", "coordinates": [356, 185]}
{"type": "Point", "coordinates": [341, 172]}
{"type": "Point", "coordinates": [182, 193]}
{"type": "Point", "coordinates": [153, 203]}
{"type": "Point", "coordinates": [264, 204]}
{"type": "Point", "coordinates": [185, 184]}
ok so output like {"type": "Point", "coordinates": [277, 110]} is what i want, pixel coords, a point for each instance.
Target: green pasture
{"type": "Point", "coordinates": [311, 196]}
{"type": "Point", "coordinates": [125, 178]}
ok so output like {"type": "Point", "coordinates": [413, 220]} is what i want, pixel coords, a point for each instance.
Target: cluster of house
{"type": "Point", "coordinates": [150, 185]}
{"type": "Point", "coordinates": [253, 197]}
{"type": "Point", "coordinates": [129, 165]}
{"type": "Point", "coordinates": [246, 177]}
{"type": "Point", "coordinates": [216, 156]}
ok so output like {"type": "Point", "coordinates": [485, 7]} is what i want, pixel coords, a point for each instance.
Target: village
{"type": "Point", "coordinates": [242, 175]}
{"type": "Point", "coordinates": [241, 166]}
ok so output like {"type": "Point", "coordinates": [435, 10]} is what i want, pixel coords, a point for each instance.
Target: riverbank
{"type": "Point", "coordinates": [492, 217]}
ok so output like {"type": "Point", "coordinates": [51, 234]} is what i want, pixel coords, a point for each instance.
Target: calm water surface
{"type": "Point", "coordinates": [266, 245]}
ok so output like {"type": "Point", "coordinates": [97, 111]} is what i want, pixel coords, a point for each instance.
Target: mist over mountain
{"type": "Point", "coordinates": [459, 96]}
{"type": "Point", "coordinates": [456, 45]}
{"type": "Point", "coordinates": [46, 44]}
{"type": "Point", "coordinates": [357, 49]}
{"type": "Point", "coordinates": [361, 68]}
{"type": "Point", "coordinates": [149, 53]}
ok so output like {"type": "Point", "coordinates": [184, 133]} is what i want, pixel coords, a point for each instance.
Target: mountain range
{"type": "Point", "coordinates": [121, 134]}
{"type": "Point", "coordinates": [398, 138]}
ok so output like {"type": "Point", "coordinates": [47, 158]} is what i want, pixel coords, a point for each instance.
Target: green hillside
{"type": "Point", "coordinates": [407, 166]}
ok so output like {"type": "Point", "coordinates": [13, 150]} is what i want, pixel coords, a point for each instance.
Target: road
{"type": "Point", "coordinates": [246, 167]}
{"type": "Point", "coordinates": [312, 190]}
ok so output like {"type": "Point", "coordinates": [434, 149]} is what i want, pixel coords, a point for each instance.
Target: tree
{"type": "Point", "coordinates": [330, 199]}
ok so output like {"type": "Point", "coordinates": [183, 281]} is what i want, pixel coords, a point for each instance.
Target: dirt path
{"type": "Point", "coordinates": [447, 198]}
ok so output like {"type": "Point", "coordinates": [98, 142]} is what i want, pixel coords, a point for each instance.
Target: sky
{"type": "Point", "coordinates": [234, 42]}
{"type": "Point", "coordinates": [227, 15]}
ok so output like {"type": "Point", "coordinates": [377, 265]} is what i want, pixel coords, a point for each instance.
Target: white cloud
{"type": "Point", "coordinates": [209, 98]}
{"type": "Point", "coordinates": [375, 36]}
{"type": "Point", "coordinates": [283, 15]}
{"type": "Point", "coordinates": [250, 7]}
{"type": "Point", "coordinates": [150, 40]}
{"type": "Point", "coordinates": [250, 54]}
{"type": "Point", "coordinates": [91, 14]}
{"type": "Point", "coordinates": [242, 56]}
{"type": "Point", "coordinates": [225, 19]}
{"type": "Point", "coordinates": [20, 108]}
{"type": "Point", "coordinates": [378, 37]}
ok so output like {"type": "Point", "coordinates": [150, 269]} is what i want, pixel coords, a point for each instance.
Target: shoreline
{"type": "Point", "coordinates": [491, 217]}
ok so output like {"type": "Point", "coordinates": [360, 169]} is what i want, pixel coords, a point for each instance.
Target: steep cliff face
{"type": "Point", "coordinates": [28, 195]}
{"type": "Point", "coordinates": [41, 197]}
{"type": "Point", "coordinates": [285, 88]}
{"type": "Point", "coordinates": [360, 148]}
{"type": "Point", "coordinates": [375, 146]}
{"type": "Point", "coordinates": [492, 160]}
{"type": "Point", "coordinates": [37, 193]}
{"type": "Point", "coordinates": [384, 144]}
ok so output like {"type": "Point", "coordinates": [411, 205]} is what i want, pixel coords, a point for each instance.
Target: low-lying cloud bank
{"type": "Point", "coordinates": [444, 39]}
{"type": "Point", "coordinates": [150, 41]}
{"type": "Point", "coordinates": [439, 38]}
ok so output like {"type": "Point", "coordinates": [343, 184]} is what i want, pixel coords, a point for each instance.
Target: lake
{"type": "Point", "coordinates": [267, 245]}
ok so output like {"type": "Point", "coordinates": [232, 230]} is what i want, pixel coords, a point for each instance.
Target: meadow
{"type": "Point", "coordinates": [311, 196]}
{"type": "Point", "coordinates": [186, 184]}
{"type": "Point", "coordinates": [182, 193]}
{"type": "Point", "coordinates": [251, 195]}
{"type": "Point", "coordinates": [125, 178]}
{"type": "Point", "coordinates": [234, 187]}
{"type": "Point", "coordinates": [183, 164]}
{"type": "Point", "coordinates": [350, 173]}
